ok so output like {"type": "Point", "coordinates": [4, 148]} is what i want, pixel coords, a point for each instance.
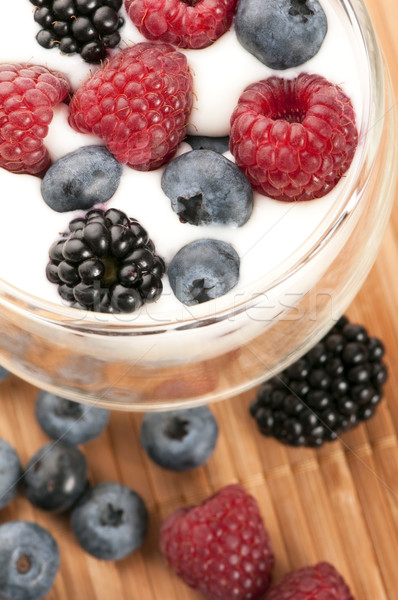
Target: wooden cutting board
{"type": "Point", "coordinates": [339, 503]}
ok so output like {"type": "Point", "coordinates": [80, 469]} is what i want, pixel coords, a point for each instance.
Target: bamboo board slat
{"type": "Point", "coordinates": [339, 503]}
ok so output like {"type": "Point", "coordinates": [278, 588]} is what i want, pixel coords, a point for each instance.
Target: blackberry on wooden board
{"type": "Point", "coordinates": [106, 263]}
{"type": "Point", "coordinates": [328, 391]}
{"type": "Point", "coordinates": [87, 27]}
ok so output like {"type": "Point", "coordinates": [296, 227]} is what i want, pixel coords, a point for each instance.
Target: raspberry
{"type": "Point", "coordinates": [328, 391]}
{"type": "Point", "coordinates": [220, 548]}
{"type": "Point", "coordinates": [294, 138]}
{"type": "Point", "coordinates": [318, 582]}
{"type": "Point", "coordinates": [27, 96]}
{"type": "Point", "coordinates": [184, 23]}
{"type": "Point", "coordinates": [139, 103]}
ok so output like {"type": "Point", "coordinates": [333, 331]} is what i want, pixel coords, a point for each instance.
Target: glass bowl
{"type": "Point", "coordinates": [226, 346]}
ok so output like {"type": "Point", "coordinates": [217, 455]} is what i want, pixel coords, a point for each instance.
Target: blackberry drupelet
{"type": "Point", "coordinates": [87, 27]}
{"type": "Point", "coordinates": [331, 389]}
{"type": "Point", "coordinates": [106, 263]}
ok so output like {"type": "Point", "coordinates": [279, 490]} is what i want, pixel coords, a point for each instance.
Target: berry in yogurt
{"type": "Point", "coordinates": [89, 175]}
{"type": "Point", "coordinates": [192, 24]}
{"type": "Point", "coordinates": [203, 270]}
{"type": "Point", "coordinates": [86, 27]}
{"type": "Point", "coordinates": [295, 138]}
{"type": "Point", "coordinates": [281, 33]}
{"type": "Point", "coordinates": [28, 94]}
{"type": "Point", "coordinates": [138, 103]}
{"type": "Point", "coordinates": [205, 187]}
{"type": "Point", "coordinates": [106, 262]}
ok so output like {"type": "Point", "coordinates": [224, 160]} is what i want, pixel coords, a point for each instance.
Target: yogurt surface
{"type": "Point", "coordinates": [276, 234]}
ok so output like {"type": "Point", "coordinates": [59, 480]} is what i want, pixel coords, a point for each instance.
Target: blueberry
{"type": "Point", "coordinates": [110, 521]}
{"type": "Point", "coordinates": [80, 179]}
{"type": "Point", "coordinates": [3, 373]}
{"type": "Point", "coordinates": [204, 142]}
{"type": "Point", "coordinates": [29, 561]}
{"type": "Point", "coordinates": [10, 473]}
{"type": "Point", "coordinates": [281, 33]}
{"type": "Point", "coordinates": [71, 422]}
{"type": "Point", "coordinates": [205, 187]}
{"type": "Point", "coordinates": [55, 477]}
{"type": "Point", "coordinates": [203, 270]}
{"type": "Point", "coordinates": [179, 440]}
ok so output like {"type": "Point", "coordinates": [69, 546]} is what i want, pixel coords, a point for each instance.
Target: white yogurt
{"type": "Point", "coordinates": [277, 233]}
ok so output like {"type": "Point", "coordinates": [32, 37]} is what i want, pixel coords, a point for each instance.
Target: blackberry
{"type": "Point", "coordinates": [328, 391]}
{"type": "Point", "coordinates": [106, 263]}
{"type": "Point", "coordinates": [87, 27]}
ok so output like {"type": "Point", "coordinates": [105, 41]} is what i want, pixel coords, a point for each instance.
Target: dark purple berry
{"type": "Point", "coordinates": [88, 27]}
{"type": "Point", "coordinates": [104, 264]}
{"type": "Point", "coordinates": [331, 389]}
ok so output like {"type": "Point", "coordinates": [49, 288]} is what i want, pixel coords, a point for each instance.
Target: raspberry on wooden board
{"type": "Point", "coordinates": [319, 582]}
{"type": "Point", "coordinates": [139, 103]}
{"type": "Point", "coordinates": [220, 548]}
{"type": "Point", "coordinates": [294, 139]}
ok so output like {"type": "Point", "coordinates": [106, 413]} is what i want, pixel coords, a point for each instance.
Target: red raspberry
{"type": "Point", "coordinates": [27, 96]}
{"type": "Point", "coordinates": [294, 139]}
{"type": "Point", "coordinates": [184, 23]}
{"type": "Point", "coordinates": [320, 582]}
{"type": "Point", "coordinates": [220, 548]}
{"type": "Point", "coordinates": [139, 103]}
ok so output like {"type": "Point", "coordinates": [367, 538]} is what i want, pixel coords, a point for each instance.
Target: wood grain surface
{"type": "Point", "coordinates": [339, 503]}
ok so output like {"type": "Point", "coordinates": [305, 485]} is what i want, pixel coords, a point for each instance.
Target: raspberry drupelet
{"type": "Point", "coordinates": [28, 94]}
{"type": "Point", "coordinates": [138, 103]}
{"type": "Point", "coordinates": [294, 139]}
